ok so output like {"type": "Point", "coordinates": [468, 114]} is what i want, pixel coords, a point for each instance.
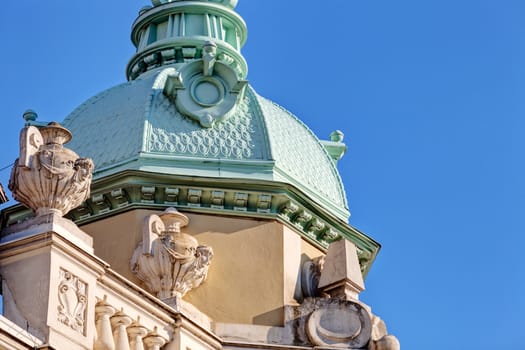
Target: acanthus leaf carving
{"type": "Point", "coordinates": [168, 261]}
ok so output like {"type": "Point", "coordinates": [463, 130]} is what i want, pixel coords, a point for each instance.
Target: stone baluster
{"type": "Point", "coordinates": [136, 331]}
{"type": "Point", "coordinates": [120, 321]}
{"type": "Point", "coordinates": [104, 339]}
{"type": "Point", "coordinates": [153, 340]}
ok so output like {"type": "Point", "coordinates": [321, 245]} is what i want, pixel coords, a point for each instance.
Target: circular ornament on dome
{"type": "Point", "coordinates": [207, 91]}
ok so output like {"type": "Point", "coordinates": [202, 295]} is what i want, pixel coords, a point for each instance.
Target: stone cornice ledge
{"type": "Point", "coordinates": [216, 196]}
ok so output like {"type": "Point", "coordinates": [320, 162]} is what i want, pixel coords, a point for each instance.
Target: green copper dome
{"type": "Point", "coordinates": [136, 126]}
{"type": "Point", "coordinates": [187, 111]}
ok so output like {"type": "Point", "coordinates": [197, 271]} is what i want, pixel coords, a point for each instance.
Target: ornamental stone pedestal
{"type": "Point", "coordinates": [47, 264]}
{"type": "Point", "coordinates": [332, 316]}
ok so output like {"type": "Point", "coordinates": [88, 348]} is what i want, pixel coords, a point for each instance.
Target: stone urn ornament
{"type": "Point", "coordinates": [47, 177]}
{"type": "Point", "coordinates": [168, 261]}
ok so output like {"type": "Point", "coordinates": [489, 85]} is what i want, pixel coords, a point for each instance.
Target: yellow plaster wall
{"type": "Point", "coordinates": [309, 251]}
{"type": "Point", "coordinates": [245, 280]}
{"type": "Point", "coordinates": [115, 239]}
{"type": "Point", "coordinates": [255, 270]}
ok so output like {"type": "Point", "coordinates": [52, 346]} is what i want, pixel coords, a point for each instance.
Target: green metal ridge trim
{"type": "Point", "coordinates": [204, 160]}
{"type": "Point", "coordinates": [343, 214]}
{"type": "Point", "coordinates": [98, 171]}
{"type": "Point", "coordinates": [330, 163]}
{"type": "Point", "coordinates": [252, 94]}
{"type": "Point", "coordinates": [333, 168]}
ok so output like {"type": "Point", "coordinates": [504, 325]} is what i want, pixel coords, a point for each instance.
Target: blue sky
{"type": "Point", "coordinates": [429, 95]}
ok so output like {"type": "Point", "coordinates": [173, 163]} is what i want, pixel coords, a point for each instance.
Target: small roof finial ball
{"type": "Point", "coordinates": [30, 116]}
{"type": "Point", "coordinates": [337, 136]}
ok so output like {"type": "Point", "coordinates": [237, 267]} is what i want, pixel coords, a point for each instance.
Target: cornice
{"type": "Point", "coordinates": [262, 199]}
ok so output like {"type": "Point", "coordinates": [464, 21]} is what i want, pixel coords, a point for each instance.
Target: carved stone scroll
{"type": "Point", "coordinates": [47, 177]}
{"type": "Point", "coordinates": [72, 299]}
{"type": "Point", "coordinates": [310, 275]}
{"type": "Point", "coordinates": [170, 262]}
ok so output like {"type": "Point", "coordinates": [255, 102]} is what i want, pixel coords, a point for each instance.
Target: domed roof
{"type": "Point", "coordinates": [136, 126]}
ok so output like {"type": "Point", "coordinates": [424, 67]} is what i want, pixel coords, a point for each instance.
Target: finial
{"type": "Point", "coordinates": [335, 147]}
{"type": "Point", "coordinates": [174, 220]}
{"type": "Point", "coordinates": [47, 177]}
{"type": "Point", "coordinates": [337, 136]}
{"type": "Point", "coordinates": [30, 116]}
{"type": "Point", "coordinates": [209, 53]}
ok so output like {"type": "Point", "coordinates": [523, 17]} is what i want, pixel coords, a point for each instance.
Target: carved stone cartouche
{"type": "Point", "coordinates": [331, 314]}
{"type": "Point", "coordinates": [72, 300]}
{"type": "Point", "coordinates": [170, 262]}
{"type": "Point", "coordinates": [47, 177]}
{"type": "Point", "coordinates": [333, 323]}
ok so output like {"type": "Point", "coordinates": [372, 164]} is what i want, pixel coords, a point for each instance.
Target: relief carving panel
{"type": "Point", "coordinates": [72, 300]}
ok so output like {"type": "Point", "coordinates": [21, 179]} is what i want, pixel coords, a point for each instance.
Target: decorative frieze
{"type": "Point", "coordinates": [194, 197]}
{"type": "Point", "coordinates": [171, 196]}
{"type": "Point", "coordinates": [147, 194]}
{"type": "Point", "coordinates": [240, 202]}
{"type": "Point", "coordinates": [264, 203]}
{"type": "Point", "coordinates": [119, 198]}
{"type": "Point", "coordinates": [168, 261]}
{"type": "Point", "coordinates": [288, 210]}
{"type": "Point", "coordinates": [217, 199]}
{"type": "Point", "coordinates": [101, 204]}
{"type": "Point", "coordinates": [72, 300]}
